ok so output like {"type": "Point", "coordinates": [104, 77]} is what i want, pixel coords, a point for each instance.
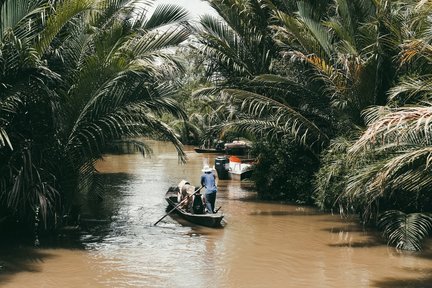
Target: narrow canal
{"type": "Point", "coordinates": [262, 244]}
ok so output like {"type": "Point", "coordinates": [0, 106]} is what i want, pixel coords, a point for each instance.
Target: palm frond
{"type": "Point", "coordinates": [405, 231]}
{"type": "Point", "coordinates": [388, 125]}
{"type": "Point", "coordinates": [239, 41]}
{"type": "Point", "coordinates": [32, 186]}
{"type": "Point", "coordinates": [412, 89]}
{"type": "Point", "coordinates": [206, 91]}
{"type": "Point", "coordinates": [278, 80]}
{"type": "Point", "coordinates": [23, 17]}
{"type": "Point", "coordinates": [322, 35]}
{"type": "Point", "coordinates": [4, 139]}
{"type": "Point", "coordinates": [292, 34]}
{"type": "Point", "coordinates": [223, 45]}
{"type": "Point", "coordinates": [106, 13]}
{"type": "Point", "coordinates": [65, 12]}
{"type": "Point", "coordinates": [154, 41]}
{"type": "Point", "coordinates": [270, 113]}
{"type": "Point", "coordinates": [165, 15]}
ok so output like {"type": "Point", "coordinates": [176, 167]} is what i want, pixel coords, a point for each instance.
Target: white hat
{"type": "Point", "coordinates": [207, 169]}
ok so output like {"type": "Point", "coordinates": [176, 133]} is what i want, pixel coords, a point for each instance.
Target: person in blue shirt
{"type": "Point", "coordinates": [208, 180]}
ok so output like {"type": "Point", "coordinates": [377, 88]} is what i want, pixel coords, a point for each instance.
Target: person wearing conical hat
{"type": "Point", "coordinates": [208, 180]}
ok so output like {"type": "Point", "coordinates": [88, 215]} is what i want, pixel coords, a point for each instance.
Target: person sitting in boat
{"type": "Point", "coordinates": [185, 191]}
{"type": "Point", "coordinates": [220, 145]}
{"type": "Point", "coordinates": [198, 203]}
{"type": "Point", "coordinates": [208, 180]}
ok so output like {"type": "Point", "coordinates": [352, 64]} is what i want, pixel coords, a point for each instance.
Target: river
{"type": "Point", "coordinates": [262, 244]}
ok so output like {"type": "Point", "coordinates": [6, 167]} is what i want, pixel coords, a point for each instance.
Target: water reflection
{"type": "Point", "coordinates": [262, 245]}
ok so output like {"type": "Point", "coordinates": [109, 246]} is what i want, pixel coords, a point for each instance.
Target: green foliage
{"type": "Point", "coordinates": [330, 179]}
{"type": "Point", "coordinates": [405, 231]}
{"type": "Point", "coordinates": [336, 70]}
{"type": "Point", "coordinates": [81, 77]}
{"type": "Point", "coordinates": [239, 46]}
{"type": "Point", "coordinates": [90, 76]}
{"type": "Point", "coordinates": [283, 172]}
{"type": "Point", "coordinates": [196, 129]}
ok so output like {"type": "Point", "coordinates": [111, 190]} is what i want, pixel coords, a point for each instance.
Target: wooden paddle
{"type": "Point", "coordinates": [177, 205]}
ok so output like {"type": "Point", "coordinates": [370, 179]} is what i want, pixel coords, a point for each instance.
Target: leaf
{"type": "Point", "coordinates": [4, 139]}
{"type": "Point", "coordinates": [405, 231]}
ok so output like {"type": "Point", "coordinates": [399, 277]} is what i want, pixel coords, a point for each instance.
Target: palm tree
{"type": "Point", "coordinates": [405, 231]}
{"type": "Point", "coordinates": [388, 165]}
{"type": "Point", "coordinates": [345, 56]}
{"type": "Point", "coordinates": [330, 79]}
{"type": "Point", "coordinates": [114, 61]}
{"type": "Point", "coordinates": [239, 46]}
{"type": "Point", "coordinates": [23, 90]}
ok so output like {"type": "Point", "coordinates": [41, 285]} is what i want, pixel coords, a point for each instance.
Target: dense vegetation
{"type": "Point", "coordinates": [337, 89]}
{"type": "Point", "coordinates": [78, 77]}
{"type": "Point", "coordinates": [347, 80]}
{"type": "Point", "coordinates": [283, 171]}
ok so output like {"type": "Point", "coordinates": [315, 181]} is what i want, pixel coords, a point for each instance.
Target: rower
{"type": "Point", "coordinates": [185, 191]}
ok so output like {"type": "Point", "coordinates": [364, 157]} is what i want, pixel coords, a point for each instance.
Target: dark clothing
{"type": "Point", "coordinates": [198, 204]}
{"type": "Point", "coordinates": [210, 202]}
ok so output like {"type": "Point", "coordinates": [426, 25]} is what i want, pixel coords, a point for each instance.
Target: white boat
{"type": "Point", "coordinates": [240, 169]}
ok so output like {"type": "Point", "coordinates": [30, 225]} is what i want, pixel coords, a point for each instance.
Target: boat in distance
{"type": "Point", "coordinates": [233, 148]}
{"type": "Point", "coordinates": [207, 219]}
{"type": "Point", "coordinates": [209, 150]}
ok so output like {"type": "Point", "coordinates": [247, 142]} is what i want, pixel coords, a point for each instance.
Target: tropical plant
{"type": "Point", "coordinates": [389, 164]}
{"type": "Point", "coordinates": [113, 60]}
{"type": "Point", "coordinates": [25, 97]}
{"type": "Point", "coordinates": [342, 60]}
{"type": "Point", "coordinates": [335, 56]}
{"type": "Point", "coordinates": [237, 45]}
{"type": "Point", "coordinates": [330, 180]}
{"type": "Point", "coordinates": [241, 45]}
{"type": "Point", "coordinates": [283, 171]}
{"type": "Point", "coordinates": [405, 231]}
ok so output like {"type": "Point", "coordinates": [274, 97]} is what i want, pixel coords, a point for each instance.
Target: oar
{"type": "Point", "coordinates": [177, 206]}
{"type": "Point", "coordinates": [217, 209]}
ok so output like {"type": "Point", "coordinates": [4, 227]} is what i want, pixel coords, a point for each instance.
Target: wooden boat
{"type": "Point", "coordinates": [206, 148]}
{"type": "Point", "coordinates": [209, 220]}
{"type": "Point", "coordinates": [209, 150]}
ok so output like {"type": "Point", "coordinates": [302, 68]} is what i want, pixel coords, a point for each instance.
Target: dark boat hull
{"type": "Point", "coordinates": [208, 150]}
{"type": "Point", "coordinates": [208, 220]}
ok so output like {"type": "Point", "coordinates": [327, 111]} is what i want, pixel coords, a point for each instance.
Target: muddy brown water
{"type": "Point", "coordinates": [262, 244]}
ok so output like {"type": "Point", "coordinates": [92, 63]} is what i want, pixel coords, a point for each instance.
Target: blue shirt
{"type": "Point", "coordinates": [208, 180]}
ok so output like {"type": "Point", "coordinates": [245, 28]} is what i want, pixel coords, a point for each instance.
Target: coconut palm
{"type": "Point", "coordinates": [24, 89]}
{"type": "Point", "coordinates": [335, 70]}
{"type": "Point", "coordinates": [241, 47]}
{"type": "Point", "coordinates": [389, 164]}
{"type": "Point", "coordinates": [347, 58]}
{"type": "Point", "coordinates": [114, 62]}
{"type": "Point", "coordinates": [405, 231]}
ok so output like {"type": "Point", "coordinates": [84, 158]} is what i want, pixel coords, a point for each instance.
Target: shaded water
{"type": "Point", "coordinates": [262, 244]}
